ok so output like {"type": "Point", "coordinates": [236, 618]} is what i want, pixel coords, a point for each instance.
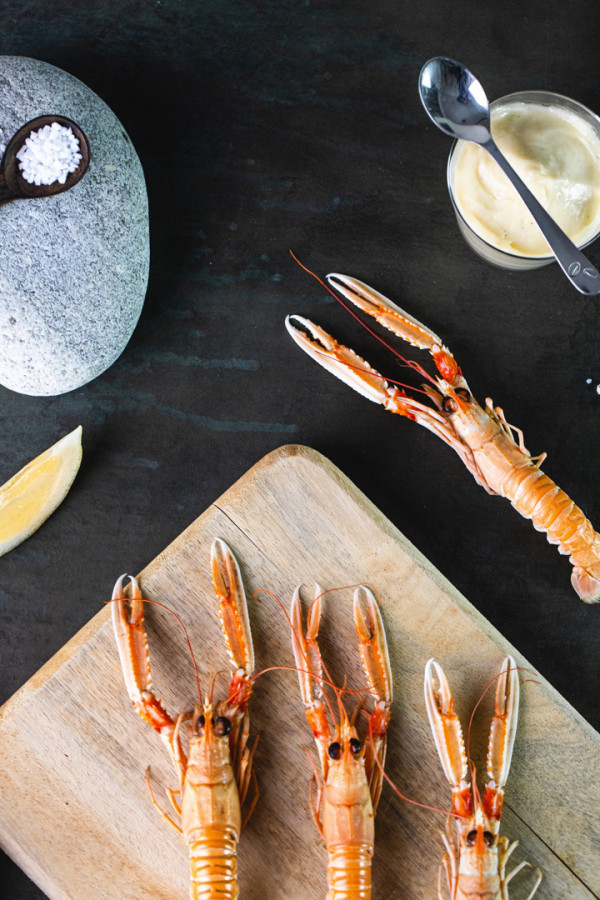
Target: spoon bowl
{"type": "Point", "coordinates": [456, 102]}
{"type": "Point", "coordinates": [12, 184]}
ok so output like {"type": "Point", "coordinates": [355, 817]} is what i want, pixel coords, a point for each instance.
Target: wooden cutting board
{"type": "Point", "coordinates": [74, 809]}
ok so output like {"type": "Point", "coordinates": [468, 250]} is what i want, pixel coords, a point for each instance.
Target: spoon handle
{"type": "Point", "coordinates": [577, 267]}
{"type": "Point", "coordinates": [6, 193]}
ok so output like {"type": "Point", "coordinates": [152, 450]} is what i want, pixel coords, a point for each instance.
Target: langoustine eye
{"type": "Point", "coordinates": [222, 726]}
{"type": "Point", "coordinates": [488, 838]}
{"type": "Point", "coordinates": [449, 404]}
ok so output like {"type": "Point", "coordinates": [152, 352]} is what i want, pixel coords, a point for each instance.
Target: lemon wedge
{"type": "Point", "coordinates": [30, 496]}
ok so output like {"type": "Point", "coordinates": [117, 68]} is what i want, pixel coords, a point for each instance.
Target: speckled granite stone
{"type": "Point", "coordinates": [73, 268]}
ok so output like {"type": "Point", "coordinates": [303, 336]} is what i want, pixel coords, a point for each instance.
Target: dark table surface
{"type": "Point", "coordinates": [264, 125]}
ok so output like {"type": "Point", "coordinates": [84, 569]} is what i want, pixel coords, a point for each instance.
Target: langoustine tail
{"type": "Point", "coordinates": [349, 872]}
{"type": "Point", "coordinates": [551, 510]}
{"type": "Point", "coordinates": [213, 865]}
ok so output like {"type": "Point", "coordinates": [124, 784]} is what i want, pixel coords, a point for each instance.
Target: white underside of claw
{"type": "Point", "coordinates": [118, 588]}
{"type": "Point", "coordinates": [130, 635]}
{"type": "Point", "coordinates": [373, 645]}
{"type": "Point", "coordinates": [504, 723]}
{"type": "Point", "coordinates": [233, 606]}
{"type": "Point", "coordinates": [306, 648]}
{"type": "Point", "coordinates": [342, 362]}
{"type": "Point", "coordinates": [445, 725]}
{"type": "Point", "coordinates": [385, 311]}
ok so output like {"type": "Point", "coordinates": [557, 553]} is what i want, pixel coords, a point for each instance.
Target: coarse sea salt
{"type": "Point", "coordinates": [49, 154]}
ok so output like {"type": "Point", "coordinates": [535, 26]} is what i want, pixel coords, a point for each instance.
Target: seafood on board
{"type": "Point", "coordinates": [350, 778]}
{"type": "Point", "coordinates": [215, 776]}
{"type": "Point", "coordinates": [476, 856]}
{"type": "Point", "coordinates": [482, 437]}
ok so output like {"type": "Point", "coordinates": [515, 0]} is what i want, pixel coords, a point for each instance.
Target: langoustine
{"type": "Point", "coordinates": [476, 855]}
{"type": "Point", "coordinates": [350, 777]}
{"type": "Point", "coordinates": [482, 437]}
{"type": "Point", "coordinates": [216, 774]}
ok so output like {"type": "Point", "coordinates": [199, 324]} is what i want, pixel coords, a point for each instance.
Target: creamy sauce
{"type": "Point", "coordinates": [556, 153]}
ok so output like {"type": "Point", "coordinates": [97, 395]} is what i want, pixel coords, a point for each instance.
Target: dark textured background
{"type": "Point", "coordinates": [280, 124]}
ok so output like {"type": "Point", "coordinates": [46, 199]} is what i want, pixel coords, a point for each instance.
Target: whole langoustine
{"type": "Point", "coordinates": [476, 855]}
{"type": "Point", "coordinates": [482, 437]}
{"type": "Point", "coordinates": [215, 775]}
{"type": "Point", "coordinates": [349, 778]}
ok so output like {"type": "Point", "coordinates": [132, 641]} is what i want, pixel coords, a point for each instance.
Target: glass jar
{"type": "Point", "coordinates": [486, 249]}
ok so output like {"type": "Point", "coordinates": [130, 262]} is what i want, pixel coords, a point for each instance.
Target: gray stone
{"type": "Point", "coordinates": [74, 267]}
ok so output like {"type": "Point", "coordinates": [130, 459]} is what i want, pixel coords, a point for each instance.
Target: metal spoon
{"type": "Point", "coordinates": [456, 102]}
{"type": "Point", "coordinates": [12, 184]}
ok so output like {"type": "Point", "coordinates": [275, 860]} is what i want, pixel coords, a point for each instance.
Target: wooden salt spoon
{"type": "Point", "coordinates": [12, 184]}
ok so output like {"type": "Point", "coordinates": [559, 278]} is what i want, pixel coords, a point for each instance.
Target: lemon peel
{"type": "Point", "coordinates": [30, 496]}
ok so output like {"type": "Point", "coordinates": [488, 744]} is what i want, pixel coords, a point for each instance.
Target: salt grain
{"type": "Point", "coordinates": [49, 155]}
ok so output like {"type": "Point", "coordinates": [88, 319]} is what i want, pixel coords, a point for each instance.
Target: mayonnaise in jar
{"type": "Point", "coordinates": [556, 151]}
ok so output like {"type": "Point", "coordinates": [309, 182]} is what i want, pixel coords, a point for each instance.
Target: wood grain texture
{"type": "Point", "coordinates": [74, 810]}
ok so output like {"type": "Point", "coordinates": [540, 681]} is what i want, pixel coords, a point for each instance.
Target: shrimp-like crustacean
{"type": "Point", "coordinates": [350, 779]}
{"type": "Point", "coordinates": [481, 436]}
{"type": "Point", "coordinates": [476, 857]}
{"type": "Point", "coordinates": [215, 776]}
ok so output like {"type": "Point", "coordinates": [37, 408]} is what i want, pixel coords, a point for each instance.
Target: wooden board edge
{"type": "Point", "coordinates": [29, 864]}
{"type": "Point", "coordinates": [54, 664]}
